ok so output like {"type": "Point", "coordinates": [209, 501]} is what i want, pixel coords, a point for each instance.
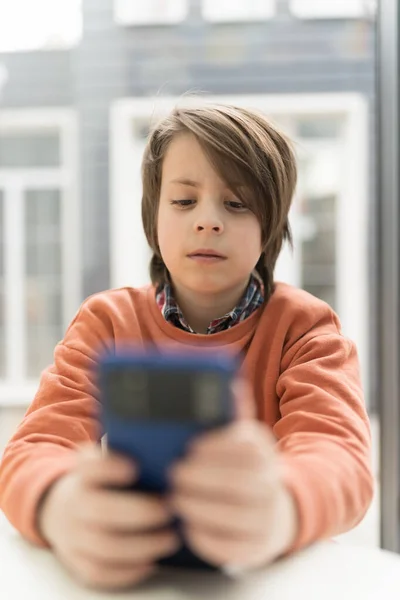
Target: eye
{"type": "Point", "coordinates": [183, 203]}
{"type": "Point", "coordinates": [236, 205]}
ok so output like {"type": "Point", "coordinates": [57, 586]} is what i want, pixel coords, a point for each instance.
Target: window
{"type": "Point", "coordinates": [3, 77]}
{"type": "Point", "coordinates": [43, 276]}
{"type": "Point", "coordinates": [318, 197]}
{"type": "Point", "coordinates": [29, 149]}
{"type": "Point", "coordinates": [128, 12]}
{"type": "Point", "coordinates": [2, 312]}
{"type": "Point", "coordinates": [43, 24]}
{"type": "Point", "coordinates": [39, 243]}
{"type": "Point", "coordinates": [240, 10]}
{"type": "Point", "coordinates": [331, 9]}
{"type": "Point", "coordinates": [328, 217]}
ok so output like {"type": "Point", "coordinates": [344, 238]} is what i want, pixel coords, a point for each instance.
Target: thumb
{"type": "Point", "coordinates": [245, 406]}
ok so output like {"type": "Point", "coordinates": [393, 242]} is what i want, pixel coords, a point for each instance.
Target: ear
{"type": "Point", "coordinates": [245, 405]}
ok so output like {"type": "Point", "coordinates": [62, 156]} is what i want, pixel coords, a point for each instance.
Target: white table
{"type": "Point", "coordinates": [328, 571]}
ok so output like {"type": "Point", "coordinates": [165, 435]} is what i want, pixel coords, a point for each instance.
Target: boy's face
{"type": "Point", "coordinates": [209, 241]}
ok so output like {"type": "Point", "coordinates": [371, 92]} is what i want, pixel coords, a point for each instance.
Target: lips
{"type": "Point", "coordinates": [206, 253]}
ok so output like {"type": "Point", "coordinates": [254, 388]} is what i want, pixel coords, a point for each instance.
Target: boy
{"type": "Point", "coordinates": [218, 182]}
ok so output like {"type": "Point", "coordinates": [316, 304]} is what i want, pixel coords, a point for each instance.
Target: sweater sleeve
{"type": "Point", "coordinates": [324, 434]}
{"type": "Point", "coordinates": [62, 416]}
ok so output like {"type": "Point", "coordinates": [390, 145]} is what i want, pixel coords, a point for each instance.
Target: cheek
{"type": "Point", "coordinates": [250, 234]}
{"type": "Point", "coordinates": [161, 229]}
{"type": "Point", "coordinates": [163, 225]}
{"type": "Point", "coordinates": [167, 233]}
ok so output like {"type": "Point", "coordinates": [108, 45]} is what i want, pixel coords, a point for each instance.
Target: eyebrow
{"type": "Point", "coordinates": [185, 181]}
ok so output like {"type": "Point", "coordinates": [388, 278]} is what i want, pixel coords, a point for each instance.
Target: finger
{"type": "Point", "coordinates": [242, 443]}
{"type": "Point", "coordinates": [128, 549]}
{"type": "Point", "coordinates": [220, 551]}
{"type": "Point", "coordinates": [123, 510]}
{"type": "Point", "coordinates": [232, 485]}
{"type": "Point", "coordinates": [109, 470]}
{"type": "Point", "coordinates": [96, 575]}
{"type": "Point", "coordinates": [222, 518]}
{"type": "Point", "coordinates": [245, 406]}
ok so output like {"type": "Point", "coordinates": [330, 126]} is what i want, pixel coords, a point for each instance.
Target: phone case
{"type": "Point", "coordinates": [156, 443]}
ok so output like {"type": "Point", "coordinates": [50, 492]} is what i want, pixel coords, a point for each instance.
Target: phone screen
{"type": "Point", "coordinates": [166, 394]}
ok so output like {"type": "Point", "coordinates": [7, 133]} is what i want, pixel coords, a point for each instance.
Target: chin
{"type": "Point", "coordinates": [208, 287]}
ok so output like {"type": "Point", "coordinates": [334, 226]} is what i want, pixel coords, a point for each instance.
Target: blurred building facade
{"type": "Point", "coordinates": [72, 128]}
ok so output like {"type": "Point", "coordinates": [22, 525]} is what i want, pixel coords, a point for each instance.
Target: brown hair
{"type": "Point", "coordinates": [243, 147]}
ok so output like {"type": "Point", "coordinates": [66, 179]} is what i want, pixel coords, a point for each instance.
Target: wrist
{"type": "Point", "coordinates": [280, 537]}
{"type": "Point", "coordinates": [45, 509]}
{"type": "Point", "coordinates": [288, 518]}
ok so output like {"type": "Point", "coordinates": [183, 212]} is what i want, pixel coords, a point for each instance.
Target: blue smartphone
{"type": "Point", "coordinates": [154, 403]}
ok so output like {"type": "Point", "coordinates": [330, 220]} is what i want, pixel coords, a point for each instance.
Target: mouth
{"type": "Point", "coordinates": [204, 253]}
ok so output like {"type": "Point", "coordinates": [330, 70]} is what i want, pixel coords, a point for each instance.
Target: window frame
{"type": "Point", "coordinates": [247, 17]}
{"type": "Point", "coordinates": [125, 13]}
{"type": "Point", "coordinates": [14, 389]}
{"type": "Point", "coordinates": [387, 274]}
{"type": "Point", "coordinates": [127, 240]}
{"type": "Point", "coordinates": [313, 10]}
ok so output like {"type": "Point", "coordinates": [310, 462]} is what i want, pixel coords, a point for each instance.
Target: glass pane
{"type": "Point", "coordinates": [141, 128]}
{"type": "Point", "coordinates": [318, 127]}
{"type": "Point", "coordinates": [29, 149]}
{"type": "Point", "coordinates": [2, 307]}
{"type": "Point", "coordinates": [43, 277]}
{"type": "Point", "coordinates": [318, 269]}
{"type": "Point", "coordinates": [319, 186]}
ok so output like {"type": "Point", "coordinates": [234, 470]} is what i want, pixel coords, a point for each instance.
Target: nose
{"type": "Point", "coordinates": [209, 221]}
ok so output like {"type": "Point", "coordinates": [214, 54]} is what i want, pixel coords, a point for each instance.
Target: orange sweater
{"type": "Point", "coordinates": [303, 372]}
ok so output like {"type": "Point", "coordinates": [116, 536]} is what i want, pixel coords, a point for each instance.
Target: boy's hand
{"type": "Point", "coordinates": [228, 492]}
{"type": "Point", "coordinates": [107, 538]}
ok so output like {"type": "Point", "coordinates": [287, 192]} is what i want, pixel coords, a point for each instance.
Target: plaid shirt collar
{"type": "Point", "coordinates": [251, 300]}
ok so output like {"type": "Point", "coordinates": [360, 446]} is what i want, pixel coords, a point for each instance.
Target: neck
{"type": "Point", "coordinates": [200, 309]}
